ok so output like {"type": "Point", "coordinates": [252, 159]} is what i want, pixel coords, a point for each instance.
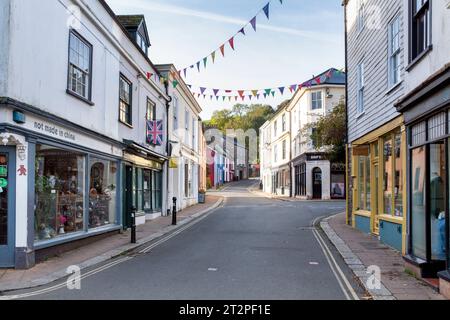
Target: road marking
{"type": "Point", "coordinates": [108, 265]}
{"type": "Point", "coordinates": [213, 269]}
{"type": "Point", "coordinates": [335, 266]}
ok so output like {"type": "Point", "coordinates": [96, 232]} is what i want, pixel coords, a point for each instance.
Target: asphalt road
{"type": "Point", "coordinates": [251, 248]}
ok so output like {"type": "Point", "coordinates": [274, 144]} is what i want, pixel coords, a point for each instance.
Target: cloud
{"type": "Point", "coordinates": [178, 10]}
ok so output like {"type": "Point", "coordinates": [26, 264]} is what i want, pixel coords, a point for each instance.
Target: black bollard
{"type": "Point", "coordinates": [174, 211]}
{"type": "Point", "coordinates": [133, 225]}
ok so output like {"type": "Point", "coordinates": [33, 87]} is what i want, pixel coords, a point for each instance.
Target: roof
{"type": "Point", "coordinates": [131, 21]}
{"type": "Point", "coordinates": [337, 78]}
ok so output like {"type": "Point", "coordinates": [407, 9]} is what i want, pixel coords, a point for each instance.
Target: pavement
{"type": "Point", "coordinates": [362, 251]}
{"type": "Point", "coordinates": [102, 250]}
{"type": "Point", "coordinates": [249, 248]}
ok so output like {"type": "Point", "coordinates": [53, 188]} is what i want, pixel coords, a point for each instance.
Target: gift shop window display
{"type": "Point", "coordinates": [59, 188]}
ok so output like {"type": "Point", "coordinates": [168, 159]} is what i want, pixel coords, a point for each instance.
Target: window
{"type": "Point", "coordinates": [125, 90]}
{"type": "Point", "coordinates": [275, 128]}
{"type": "Point", "coordinates": [275, 153]}
{"type": "Point", "coordinates": [419, 195]}
{"type": "Point", "coordinates": [316, 100]}
{"type": "Point", "coordinates": [387, 178]}
{"type": "Point", "coordinates": [151, 110]}
{"type": "Point", "coordinates": [193, 133]}
{"type": "Point", "coordinates": [360, 88]}
{"type": "Point", "coordinates": [295, 146]}
{"type": "Point", "coordinates": [283, 119]}
{"type": "Point", "coordinates": [146, 190]}
{"type": "Point", "coordinates": [394, 52]}
{"type": "Point", "coordinates": [420, 27]}
{"type": "Point", "coordinates": [175, 113]}
{"type": "Point", "coordinates": [284, 150]}
{"type": "Point", "coordinates": [315, 138]}
{"type": "Point", "coordinates": [141, 42]}
{"type": "Point", "coordinates": [398, 178]}
{"type": "Point", "coordinates": [102, 192]}
{"type": "Point", "coordinates": [59, 191]}
{"type": "Point", "coordinates": [364, 184]}
{"type": "Point", "coordinates": [361, 17]}
{"type": "Point", "coordinates": [80, 64]}
{"type": "Point", "coordinates": [186, 127]}
{"type": "Point", "coordinates": [186, 180]}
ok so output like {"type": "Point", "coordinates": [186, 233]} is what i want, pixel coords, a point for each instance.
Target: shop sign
{"type": "Point", "coordinates": [3, 171]}
{"type": "Point", "coordinates": [315, 157]}
{"type": "Point", "coordinates": [53, 130]}
{"type": "Point", "coordinates": [139, 161]}
{"type": "Point", "coordinates": [3, 183]}
{"type": "Point", "coordinates": [173, 163]}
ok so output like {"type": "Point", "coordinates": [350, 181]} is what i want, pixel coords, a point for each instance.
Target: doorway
{"type": "Point", "coordinates": [7, 206]}
{"type": "Point", "coordinates": [317, 183]}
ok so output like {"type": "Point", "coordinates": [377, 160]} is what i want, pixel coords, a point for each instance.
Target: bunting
{"type": "Point", "coordinates": [266, 92]}
{"type": "Point", "coordinates": [231, 41]}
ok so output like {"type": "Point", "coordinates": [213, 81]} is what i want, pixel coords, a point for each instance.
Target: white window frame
{"type": "Point", "coordinates": [361, 16]}
{"type": "Point", "coordinates": [315, 100]}
{"type": "Point", "coordinates": [394, 51]}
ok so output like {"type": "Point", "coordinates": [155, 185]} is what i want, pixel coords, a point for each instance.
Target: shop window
{"type": "Point", "coordinates": [102, 192]}
{"type": "Point", "coordinates": [147, 186]}
{"type": "Point", "coordinates": [418, 209]}
{"type": "Point", "coordinates": [387, 176]}
{"type": "Point", "coordinates": [60, 190]}
{"type": "Point", "coordinates": [398, 170]}
{"type": "Point", "coordinates": [364, 192]}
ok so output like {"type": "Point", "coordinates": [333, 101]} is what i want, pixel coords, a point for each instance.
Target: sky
{"type": "Point", "coordinates": [302, 39]}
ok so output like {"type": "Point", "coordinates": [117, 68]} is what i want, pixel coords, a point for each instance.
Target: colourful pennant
{"type": "Point", "coordinates": [222, 50]}
{"type": "Point", "coordinates": [266, 10]}
{"type": "Point", "coordinates": [231, 42]}
{"type": "Point", "coordinates": [253, 23]}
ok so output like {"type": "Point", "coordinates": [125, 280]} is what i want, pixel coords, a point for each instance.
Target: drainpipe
{"type": "Point", "coordinates": [347, 184]}
{"type": "Point", "coordinates": [168, 101]}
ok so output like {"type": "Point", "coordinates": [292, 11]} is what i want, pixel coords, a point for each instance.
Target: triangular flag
{"type": "Point", "coordinates": [229, 98]}
{"type": "Point", "coordinates": [210, 97]}
{"type": "Point", "coordinates": [253, 22]}
{"type": "Point", "coordinates": [242, 98]}
{"type": "Point", "coordinates": [266, 10]}
{"type": "Point", "coordinates": [204, 96]}
{"type": "Point", "coordinates": [281, 90]}
{"type": "Point", "coordinates": [213, 56]}
{"type": "Point", "coordinates": [268, 91]}
{"type": "Point", "coordinates": [241, 92]}
{"type": "Point", "coordinates": [255, 92]}
{"type": "Point", "coordinates": [228, 91]}
{"type": "Point", "coordinates": [217, 98]}
{"type": "Point", "coordinates": [257, 96]}
{"type": "Point", "coordinates": [231, 42]}
{"type": "Point", "coordinates": [198, 66]}
{"type": "Point", "coordinates": [175, 83]}
{"type": "Point", "coordinates": [318, 80]}
{"type": "Point", "coordinates": [242, 31]}
{"type": "Point", "coordinates": [273, 94]}
{"type": "Point", "coordinates": [235, 98]}
{"type": "Point", "coordinates": [281, 1]}
{"type": "Point", "coordinates": [205, 61]}
{"type": "Point", "coordinates": [190, 86]}
{"type": "Point", "coordinates": [202, 90]}
{"type": "Point", "coordinates": [149, 75]}
{"type": "Point", "coordinates": [250, 97]}
{"type": "Point", "coordinates": [293, 88]}
{"type": "Point", "coordinates": [223, 97]}
{"type": "Point", "coordinates": [185, 71]}
{"type": "Point", "coordinates": [265, 95]}
{"type": "Point", "coordinates": [222, 50]}
{"type": "Point", "coordinates": [216, 91]}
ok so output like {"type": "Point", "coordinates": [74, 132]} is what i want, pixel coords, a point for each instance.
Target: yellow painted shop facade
{"type": "Point", "coordinates": [378, 201]}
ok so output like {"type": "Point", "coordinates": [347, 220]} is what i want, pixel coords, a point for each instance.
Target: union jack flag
{"type": "Point", "coordinates": [155, 132]}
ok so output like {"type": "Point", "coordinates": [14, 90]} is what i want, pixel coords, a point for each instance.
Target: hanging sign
{"type": "Point", "coordinates": [3, 171]}
{"type": "Point", "coordinates": [173, 163]}
{"type": "Point", "coordinates": [3, 183]}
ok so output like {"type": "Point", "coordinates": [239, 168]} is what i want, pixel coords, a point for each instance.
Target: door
{"type": "Point", "coordinates": [7, 206]}
{"type": "Point", "coordinates": [376, 222]}
{"type": "Point", "coordinates": [317, 183]}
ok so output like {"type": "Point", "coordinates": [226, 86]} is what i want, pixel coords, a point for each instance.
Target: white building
{"type": "Point", "coordinates": [291, 165]}
{"type": "Point", "coordinates": [74, 102]}
{"type": "Point", "coordinates": [184, 129]}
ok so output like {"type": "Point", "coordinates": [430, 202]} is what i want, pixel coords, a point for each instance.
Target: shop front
{"type": "Point", "coordinates": [378, 181]}
{"type": "Point", "coordinates": [281, 182]}
{"type": "Point", "coordinates": [143, 185]}
{"type": "Point", "coordinates": [314, 178]}
{"type": "Point", "coordinates": [427, 116]}
{"type": "Point", "coordinates": [58, 185]}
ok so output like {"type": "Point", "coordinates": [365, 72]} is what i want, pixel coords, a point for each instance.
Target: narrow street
{"type": "Point", "coordinates": [250, 248]}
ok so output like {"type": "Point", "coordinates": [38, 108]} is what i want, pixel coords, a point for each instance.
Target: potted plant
{"type": "Point", "coordinates": [201, 196]}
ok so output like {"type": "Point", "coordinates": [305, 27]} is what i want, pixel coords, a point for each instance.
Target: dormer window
{"type": "Point", "coordinates": [141, 42]}
{"type": "Point", "coordinates": [136, 27]}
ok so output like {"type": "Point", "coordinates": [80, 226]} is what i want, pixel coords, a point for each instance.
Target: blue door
{"type": "Point", "coordinates": [7, 206]}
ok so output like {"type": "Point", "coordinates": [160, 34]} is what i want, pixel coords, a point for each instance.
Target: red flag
{"type": "Point", "coordinates": [231, 41]}
{"type": "Point", "coordinates": [222, 50]}
{"type": "Point", "coordinates": [149, 75]}
{"type": "Point", "coordinates": [241, 92]}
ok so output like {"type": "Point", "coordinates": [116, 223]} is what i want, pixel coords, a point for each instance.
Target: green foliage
{"type": "Point", "coordinates": [330, 133]}
{"type": "Point", "coordinates": [241, 116]}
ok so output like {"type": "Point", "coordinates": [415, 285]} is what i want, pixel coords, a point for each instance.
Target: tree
{"type": "Point", "coordinates": [329, 133]}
